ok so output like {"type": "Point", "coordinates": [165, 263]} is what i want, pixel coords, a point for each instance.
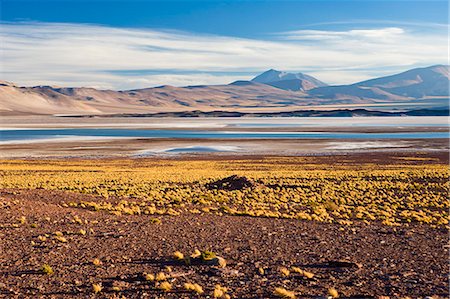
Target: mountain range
{"type": "Point", "coordinates": [270, 91]}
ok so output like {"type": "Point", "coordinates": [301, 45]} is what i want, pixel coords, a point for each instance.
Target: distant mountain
{"type": "Point", "coordinates": [59, 100]}
{"type": "Point", "coordinates": [288, 81]}
{"type": "Point", "coordinates": [417, 83]}
{"type": "Point", "coordinates": [270, 91]}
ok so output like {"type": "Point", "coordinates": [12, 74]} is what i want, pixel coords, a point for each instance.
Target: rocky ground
{"type": "Point", "coordinates": [86, 248]}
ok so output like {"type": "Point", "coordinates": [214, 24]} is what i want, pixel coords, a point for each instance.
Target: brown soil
{"type": "Point", "coordinates": [360, 261]}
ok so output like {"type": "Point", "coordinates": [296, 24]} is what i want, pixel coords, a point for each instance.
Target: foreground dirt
{"type": "Point", "coordinates": [396, 262]}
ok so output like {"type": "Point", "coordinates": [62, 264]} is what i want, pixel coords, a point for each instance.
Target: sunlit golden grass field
{"type": "Point", "coordinates": [304, 188]}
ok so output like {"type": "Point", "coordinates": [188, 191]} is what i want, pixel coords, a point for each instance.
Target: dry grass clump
{"type": "Point", "coordinates": [97, 288]}
{"type": "Point", "coordinates": [178, 255]}
{"type": "Point", "coordinates": [47, 269]}
{"type": "Point", "coordinates": [61, 239]}
{"type": "Point", "coordinates": [303, 273]}
{"type": "Point", "coordinates": [96, 262]}
{"type": "Point", "coordinates": [222, 263]}
{"type": "Point", "coordinates": [149, 277]}
{"type": "Point", "coordinates": [155, 220]}
{"type": "Point", "coordinates": [201, 257]}
{"type": "Point", "coordinates": [395, 195]}
{"type": "Point", "coordinates": [285, 271]}
{"type": "Point", "coordinates": [283, 293]}
{"type": "Point", "coordinates": [220, 292]}
{"type": "Point", "coordinates": [193, 287]}
{"type": "Point", "coordinates": [333, 293]}
{"type": "Point", "coordinates": [196, 254]}
{"type": "Point", "coordinates": [160, 276]}
{"type": "Point", "coordinates": [165, 286]}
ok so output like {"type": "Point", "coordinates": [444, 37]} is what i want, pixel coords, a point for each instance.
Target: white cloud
{"type": "Point", "coordinates": [375, 35]}
{"type": "Point", "coordinates": [92, 55]}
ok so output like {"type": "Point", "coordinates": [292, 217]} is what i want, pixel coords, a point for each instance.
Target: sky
{"type": "Point", "coordinates": [137, 44]}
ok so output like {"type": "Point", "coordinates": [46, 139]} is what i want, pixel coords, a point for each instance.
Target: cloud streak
{"type": "Point", "coordinates": [122, 58]}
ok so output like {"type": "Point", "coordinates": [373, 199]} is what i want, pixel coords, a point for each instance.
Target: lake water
{"type": "Point", "coordinates": [35, 134]}
{"type": "Point", "coordinates": [224, 128]}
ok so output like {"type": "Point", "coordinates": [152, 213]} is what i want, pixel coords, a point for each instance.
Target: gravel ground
{"type": "Point", "coordinates": [379, 260]}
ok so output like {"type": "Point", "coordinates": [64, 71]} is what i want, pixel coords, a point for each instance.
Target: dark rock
{"type": "Point", "coordinates": [233, 182]}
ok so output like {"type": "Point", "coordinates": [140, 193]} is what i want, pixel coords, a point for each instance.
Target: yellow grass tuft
{"type": "Point", "coordinates": [96, 262]}
{"type": "Point", "coordinates": [193, 287]}
{"type": "Point", "coordinates": [47, 269]}
{"type": "Point", "coordinates": [155, 221]}
{"type": "Point", "coordinates": [97, 288]}
{"type": "Point", "coordinates": [58, 234]}
{"type": "Point", "coordinates": [160, 276]}
{"type": "Point", "coordinates": [219, 291]}
{"type": "Point", "coordinates": [303, 273]}
{"type": "Point", "coordinates": [61, 239]}
{"type": "Point", "coordinates": [196, 254]}
{"type": "Point", "coordinates": [285, 271]}
{"type": "Point", "coordinates": [283, 293]}
{"type": "Point", "coordinates": [352, 195]}
{"type": "Point", "coordinates": [333, 293]}
{"type": "Point", "coordinates": [165, 286]}
{"type": "Point", "coordinates": [222, 262]}
{"type": "Point", "coordinates": [178, 255]}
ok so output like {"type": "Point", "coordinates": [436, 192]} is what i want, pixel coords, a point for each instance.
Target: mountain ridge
{"type": "Point", "coordinates": [288, 81]}
{"type": "Point", "coordinates": [241, 95]}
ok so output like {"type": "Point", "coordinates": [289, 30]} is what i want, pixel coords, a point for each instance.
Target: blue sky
{"type": "Point", "coordinates": [132, 44]}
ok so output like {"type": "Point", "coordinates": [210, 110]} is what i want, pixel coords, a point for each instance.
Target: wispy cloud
{"type": "Point", "coordinates": [373, 35]}
{"type": "Point", "coordinates": [123, 58]}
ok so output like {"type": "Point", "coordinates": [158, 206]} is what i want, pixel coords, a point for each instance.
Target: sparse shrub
{"type": "Point", "coordinates": [303, 273]}
{"type": "Point", "coordinates": [196, 254]}
{"type": "Point", "coordinates": [220, 292]}
{"type": "Point", "coordinates": [165, 286]}
{"type": "Point", "coordinates": [193, 287]}
{"type": "Point", "coordinates": [222, 263]}
{"type": "Point", "coordinates": [333, 293]}
{"type": "Point", "coordinates": [285, 271]}
{"type": "Point", "coordinates": [160, 276]}
{"type": "Point", "coordinates": [96, 262]}
{"type": "Point", "coordinates": [207, 255]}
{"type": "Point", "coordinates": [283, 293]}
{"type": "Point", "coordinates": [97, 288]}
{"type": "Point", "coordinates": [178, 255]}
{"type": "Point", "coordinates": [47, 269]}
{"type": "Point", "coordinates": [77, 219]}
{"type": "Point", "coordinates": [155, 220]}
{"type": "Point", "coordinates": [61, 239]}
{"type": "Point", "coordinates": [149, 277]}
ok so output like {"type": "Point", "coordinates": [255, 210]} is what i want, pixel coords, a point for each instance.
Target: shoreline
{"type": "Point", "coordinates": [133, 147]}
